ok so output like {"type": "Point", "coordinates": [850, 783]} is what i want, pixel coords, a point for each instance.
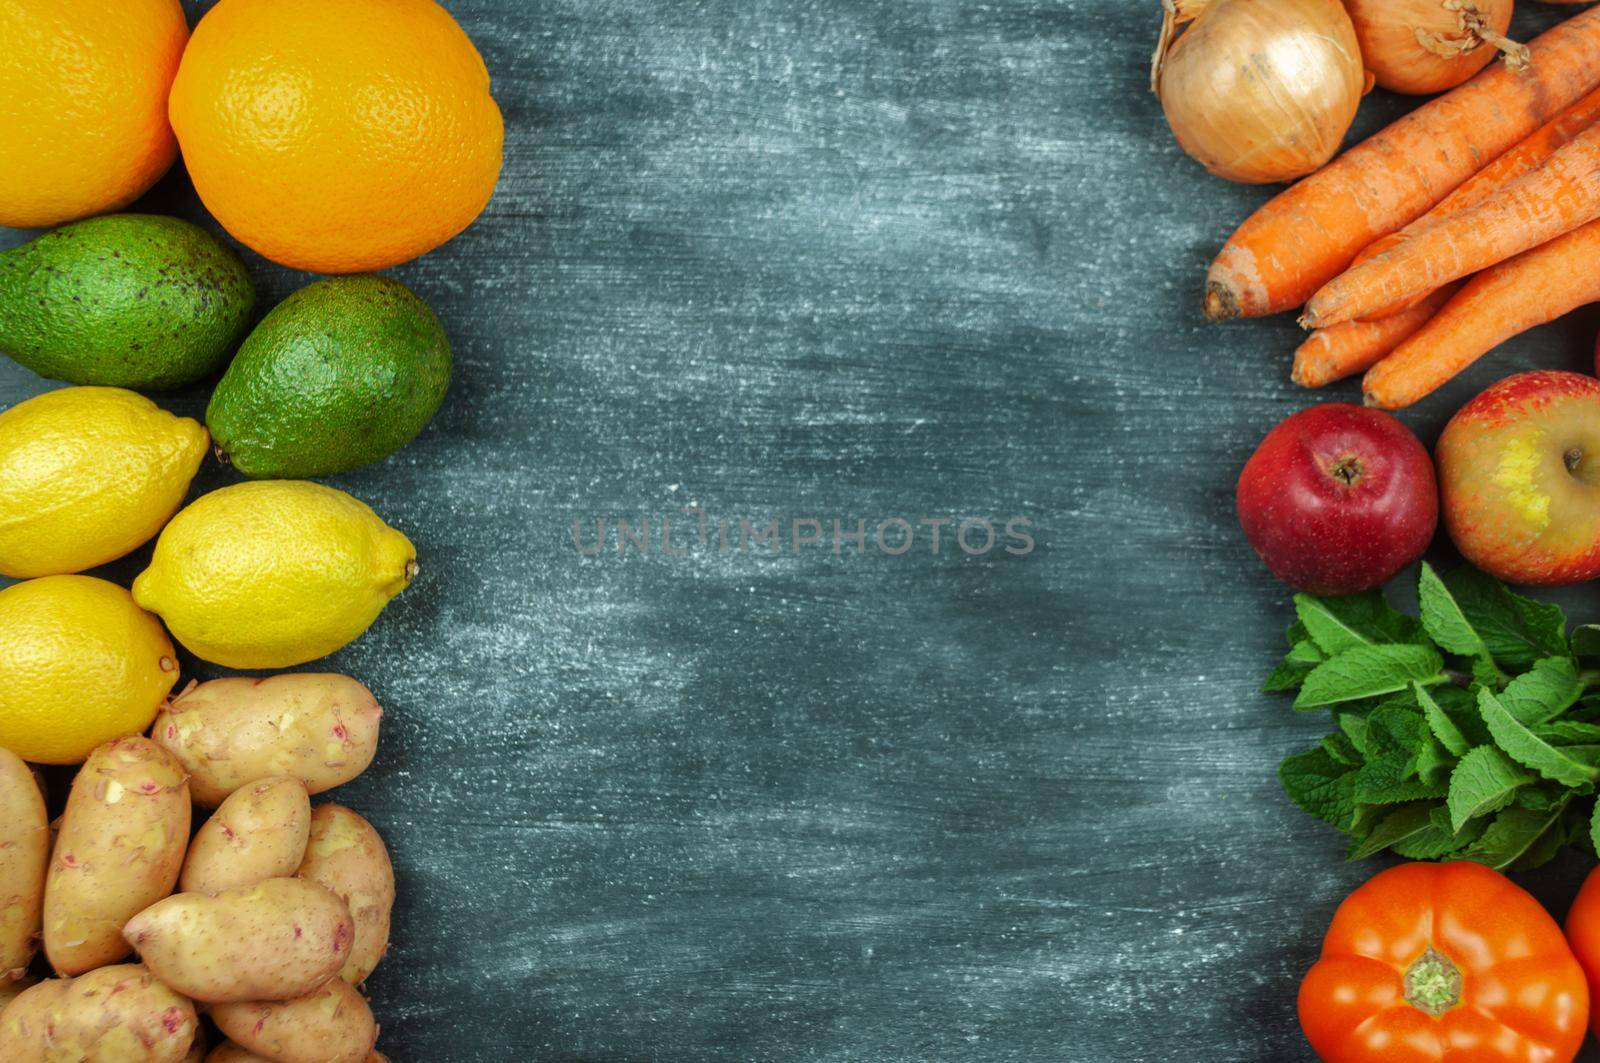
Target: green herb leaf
{"type": "Point", "coordinates": [1367, 672]}
{"type": "Point", "coordinates": [1433, 764]}
{"type": "Point", "coordinates": [1544, 693]}
{"type": "Point", "coordinates": [1516, 630]}
{"type": "Point", "coordinates": [1548, 844]}
{"type": "Point", "coordinates": [1569, 733]}
{"type": "Point", "coordinates": [1446, 624]}
{"type": "Point", "coordinates": [1340, 624]}
{"type": "Point", "coordinates": [1594, 827]}
{"type": "Point", "coordinates": [1302, 657]}
{"type": "Point", "coordinates": [1527, 748]}
{"type": "Point", "coordinates": [1441, 841]}
{"type": "Point", "coordinates": [1340, 748]}
{"type": "Point", "coordinates": [1321, 786]}
{"type": "Point", "coordinates": [1408, 822]}
{"type": "Point", "coordinates": [1396, 735]}
{"type": "Point", "coordinates": [1353, 725]}
{"type": "Point", "coordinates": [1513, 834]}
{"type": "Point", "coordinates": [1485, 781]}
{"type": "Point", "coordinates": [1442, 726]}
{"type": "Point", "coordinates": [1585, 640]}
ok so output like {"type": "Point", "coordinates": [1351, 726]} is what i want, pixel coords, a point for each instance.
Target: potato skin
{"type": "Point", "coordinates": [119, 850]}
{"type": "Point", "coordinates": [10, 991]}
{"type": "Point", "coordinates": [321, 729]}
{"type": "Point", "coordinates": [346, 855]}
{"type": "Point", "coordinates": [332, 1025]}
{"type": "Point", "coordinates": [259, 832]}
{"type": "Point", "coordinates": [24, 858]}
{"type": "Point", "coordinates": [120, 1013]}
{"type": "Point", "coordinates": [276, 939]}
{"type": "Point", "coordinates": [232, 1053]}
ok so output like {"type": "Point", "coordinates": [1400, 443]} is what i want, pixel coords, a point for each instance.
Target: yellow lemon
{"type": "Point", "coordinates": [274, 573]}
{"type": "Point", "coordinates": [80, 664]}
{"type": "Point", "coordinates": [87, 475]}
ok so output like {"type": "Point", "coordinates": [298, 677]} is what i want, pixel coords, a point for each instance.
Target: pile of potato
{"type": "Point", "coordinates": [282, 909]}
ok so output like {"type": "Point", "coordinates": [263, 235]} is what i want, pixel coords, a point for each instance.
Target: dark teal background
{"type": "Point", "coordinates": [841, 258]}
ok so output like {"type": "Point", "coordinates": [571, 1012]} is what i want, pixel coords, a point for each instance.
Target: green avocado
{"type": "Point", "coordinates": [342, 373]}
{"type": "Point", "coordinates": [125, 300]}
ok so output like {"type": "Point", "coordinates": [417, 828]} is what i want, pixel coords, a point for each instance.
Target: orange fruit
{"type": "Point", "coordinates": [338, 136]}
{"type": "Point", "coordinates": [83, 105]}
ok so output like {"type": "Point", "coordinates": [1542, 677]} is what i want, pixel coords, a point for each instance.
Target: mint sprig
{"type": "Point", "coordinates": [1469, 732]}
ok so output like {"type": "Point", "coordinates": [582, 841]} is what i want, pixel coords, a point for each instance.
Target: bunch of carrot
{"type": "Point", "coordinates": [1497, 181]}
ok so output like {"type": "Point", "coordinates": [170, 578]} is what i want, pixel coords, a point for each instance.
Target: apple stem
{"type": "Point", "coordinates": [1347, 469]}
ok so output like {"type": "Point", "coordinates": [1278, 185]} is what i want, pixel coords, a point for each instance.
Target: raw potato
{"type": "Point", "coordinates": [10, 991]}
{"type": "Point", "coordinates": [332, 1025]}
{"type": "Point", "coordinates": [119, 850]}
{"type": "Point", "coordinates": [120, 1013]}
{"type": "Point", "coordinates": [346, 855]}
{"type": "Point", "coordinates": [274, 940]}
{"type": "Point", "coordinates": [24, 856]}
{"type": "Point", "coordinates": [321, 729]}
{"type": "Point", "coordinates": [259, 832]}
{"type": "Point", "coordinates": [232, 1053]}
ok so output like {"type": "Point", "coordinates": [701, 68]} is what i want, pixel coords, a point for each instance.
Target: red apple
{"type": "Point", "coordinates": [1519, 469]}
{"type": "Point", "coordinates": [1338, 498]}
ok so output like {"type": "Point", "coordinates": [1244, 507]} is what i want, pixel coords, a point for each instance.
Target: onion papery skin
{"type": "Point", "coordinates": [1261, 91]}
{"type": "Point", "coordinates": [1400, 62]}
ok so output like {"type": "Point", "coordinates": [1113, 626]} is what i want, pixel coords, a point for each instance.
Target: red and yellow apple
{"type": "Point", "coordinates": [1519, 469]}
{"type": "Point", "coordinates": [1338, 498]}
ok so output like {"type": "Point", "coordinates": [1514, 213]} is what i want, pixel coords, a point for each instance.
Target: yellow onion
{"type": "Point", "coordinates": [1426, 46]}
{"type": "Point", "coordinates": [1258, 90]}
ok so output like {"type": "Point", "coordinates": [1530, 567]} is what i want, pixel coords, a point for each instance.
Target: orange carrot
{"type": "Point", "coordinates": [1534, 209]}
{"type": "Point", "coordinates": [1522, 159]}
{"type": "Point", "coordinates": [1307, 235]}
{"type": "Point", "coordinates": [1332, 354]}
{"type": "Point", "coordinates": [1535, 287]}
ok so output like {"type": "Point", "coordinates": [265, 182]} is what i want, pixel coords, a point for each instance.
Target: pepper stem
{"type": "Point", "coordinates": [1433, 983]}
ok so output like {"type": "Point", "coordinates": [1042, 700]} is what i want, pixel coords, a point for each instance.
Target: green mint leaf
{"type": "Point", "coordinates": [1485, 781]}
{"type": "Point", "coordinates": [1585, 641]}
{"type": "Point", "coordinates": [1513, 834]}
{"type": "Point", "coordinates": [1389, 775]}
{"type": "Point", "coordinates": [1584, 754]}
{"type": "Point", "coordinates": [1369, 671]}
{"type": "Point", "coordinates": [1353, 725]}
{"type": "Point", "coordinates": [1569, 733]}
{"type": "Point", "coordinates": [1594, 827]}
{"type": "Point", "coordinates": [1446, 624]}
{"type": "Point", "coordinates": [1541, 797]}
{"type": "Point", "coordinates": [1442, 726]}
{"type": "Point", "coordinates": [1516, 630]}
{"type": "Point", "coordinates": [1548, 844]}
{"type": "Point", "coordinates": [1433, 764]}
{"type": "Point", "coordinates": [1486, 673]}
{"type": "Point", "coordinates": [1408, 822]}
{"type": "Point", "coordinates": [1340, 748]}
{"type": "Point", "coordinates": [1395, 729]}
{"type": "Point", "coordinates": [1461, 706]}
{"type": "Point", "coordinates": [1321, 786]}
{"type": "Point", "coordinates": [1340, 624]}
{"type": "Point", "coordinates": [1544, 693]}
{"type": "Point", "coordinates": [1302, 657]}
{"type": "Point", "coordinates": [1527, 748]}
{"type": "Point", "coordinates": [1441, 841]}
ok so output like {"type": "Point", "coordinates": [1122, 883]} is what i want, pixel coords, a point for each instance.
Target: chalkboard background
{"type": "Point", "coordinates": [817, 259]}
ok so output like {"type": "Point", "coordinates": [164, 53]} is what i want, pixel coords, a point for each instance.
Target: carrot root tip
{"type": "Point", "coordinates": [1221, 304]}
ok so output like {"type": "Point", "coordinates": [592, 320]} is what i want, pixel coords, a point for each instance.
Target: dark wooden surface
{"type": "Point", "coordinates": [787, 259]}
